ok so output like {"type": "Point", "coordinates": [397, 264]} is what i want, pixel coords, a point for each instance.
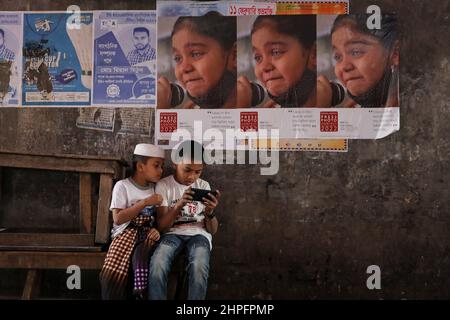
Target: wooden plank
{"type": "Point", "coordinates": [85, 203]}
{"type": "Point", "coordinates": [32, 284]}
{"type": "Point", "coordinates": [46, 239]}
{"type": "Point", "coordinates": [50, 248]}
{"type": "Point", "coordinates": [102, 227]}
{"type": "Point", "coordinates": [51, 260]}
{"type": "Point", "coordinates": [10, 297]}
{"type": "Point", "coordinates": [61, 164]}
{"type": "Point", "coordinates": [95, 195]}
{"type": "Point", "coordinates": [1, 184]}
{"type": "Point", "coordinates": [36, 229]}
{"type": "Point", "coordinates": [94, 208]}
{"type": "Point", "coordinates": [69, 156]}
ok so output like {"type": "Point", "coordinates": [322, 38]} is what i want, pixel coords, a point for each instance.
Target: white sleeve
{"type": "Point", "coordinates": [205, 185]}
{"type": "Point", "coordinates": [161, 188]}
{"type": "Point", "coordinates": [119, 197]}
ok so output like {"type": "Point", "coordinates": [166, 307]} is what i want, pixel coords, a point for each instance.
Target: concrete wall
{"type": "Point", "coordinates": [311, 231]}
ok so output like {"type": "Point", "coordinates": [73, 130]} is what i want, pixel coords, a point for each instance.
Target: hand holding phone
{"type": "Point", "coordinates": [199, 194]}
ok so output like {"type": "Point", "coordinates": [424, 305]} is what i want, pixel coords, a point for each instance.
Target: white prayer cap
{"type": "Point", "coordinates": [148, 150]}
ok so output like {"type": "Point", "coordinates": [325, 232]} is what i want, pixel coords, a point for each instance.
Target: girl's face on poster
{"type": "Point", "coordinates": [280, 59]}
{"type": "Point", "coordinates": [199, 61]}
{"type": "Point", "coordinates": [360, 59]}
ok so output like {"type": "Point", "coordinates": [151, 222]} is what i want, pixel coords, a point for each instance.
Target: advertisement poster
{"type": "Point", "coordinates": [57, 59]}
{"type": "Point", "coordinates": [340, 82]}
{"type": "Point", "coordinates": [10, 58]}
{"type": "Point", "coordinates": [125, 58]}
{"type": "Point", "coordinates": [184, 110]}
{"type": "Point", "coordinates": [266, 87]}
{"type": "Point", "coordinates": [101, 119]}
{"type": "Point", "coordinates": [134, 121]}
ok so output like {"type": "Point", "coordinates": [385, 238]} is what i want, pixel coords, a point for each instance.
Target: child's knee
{"type": "Point", "coordinates": [159, 267]}
{"type": "Point", "coordinates": [199, 261]}
{"type": "Point", "coordinates": [200, 268]}
{"type": "Point", "coordinates": [162, 257]}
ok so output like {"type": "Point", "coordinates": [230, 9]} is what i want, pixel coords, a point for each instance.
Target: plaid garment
{"type": "Point", "coordinates": [6, 54]}
{"type": "Point", "coordinates": [129, 251]}
{"type": "Point", "coordinates": [140, 262]}
{"type": "Point", "coordinates": [5, 75]}
{"type": "Point", "coordinates": [134, 57]}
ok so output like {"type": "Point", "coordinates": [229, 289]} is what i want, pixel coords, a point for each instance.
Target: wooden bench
{"type": "Point", "coordinates": [34, 251]}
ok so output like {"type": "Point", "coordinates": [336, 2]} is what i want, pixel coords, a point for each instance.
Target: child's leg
{"type": "Point", "coordinates": [160, 265]}
{"type": "Point", "coordinates": [198, 267]}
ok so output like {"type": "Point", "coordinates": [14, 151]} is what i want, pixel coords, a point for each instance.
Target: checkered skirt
{"type": "Point", "coordinates": [115, 273]}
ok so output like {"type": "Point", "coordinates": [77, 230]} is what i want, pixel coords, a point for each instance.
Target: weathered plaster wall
{"type": "Point", "coordinates": [312, 230]}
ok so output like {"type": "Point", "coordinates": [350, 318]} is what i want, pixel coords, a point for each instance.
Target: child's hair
{"type": "Point", "coordinates": [301, 27]}
{"type": "Point", "coordinates": [213, 25]}
{"type": "Point", "coordinates": [189, 150]}
{"type": "Point", "coordinates": [134, 161]}
{"type": "Point", "coordinates": [387, 34]}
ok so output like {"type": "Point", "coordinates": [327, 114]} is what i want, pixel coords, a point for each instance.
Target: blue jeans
{"type": "Point", "coordinates": [198, 265]}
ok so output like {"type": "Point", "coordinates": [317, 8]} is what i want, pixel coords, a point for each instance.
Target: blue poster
{"type": "Point", "coordinates": [124, 57]}
{"type": "Point", "coordinates": [57, 59]}
{"type": "Point", "coordinates": [193, 8]}
{"type": "Point", "coordinates": [10, 58]}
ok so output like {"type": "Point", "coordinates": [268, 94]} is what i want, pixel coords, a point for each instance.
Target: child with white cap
{"type": "Point", "coordinates": [133, 234]}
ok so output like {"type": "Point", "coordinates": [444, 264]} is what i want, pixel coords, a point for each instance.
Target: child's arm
{"type": "Point", "coordinates": [121, 216]}
{"type": "Point", "coordinates": [211, 222]}
{"type": "Point", "coordinates": [166, 216]}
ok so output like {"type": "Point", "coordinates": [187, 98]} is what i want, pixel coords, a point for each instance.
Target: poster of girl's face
{"type": "Point", "coordinates": [277, 61]}
{"type": "Point", "coordinates": [197, 61]}
{"type": "Point", "coordinates": [364, 61]}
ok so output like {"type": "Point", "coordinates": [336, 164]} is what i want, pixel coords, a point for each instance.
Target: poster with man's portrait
{"type": "Point", "coordinates": [125, 57]}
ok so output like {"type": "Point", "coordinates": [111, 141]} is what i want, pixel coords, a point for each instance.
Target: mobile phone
{"type": "Point", "coordinates": [199, 194]}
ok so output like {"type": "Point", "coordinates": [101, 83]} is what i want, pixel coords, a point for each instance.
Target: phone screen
{"type": "Point", "coordinates": [199, 194]}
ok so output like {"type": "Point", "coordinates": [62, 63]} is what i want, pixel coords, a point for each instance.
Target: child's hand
{"type": "Point", "coordinates": [153, 235]}
{"type": "Point", "coordinates": [211, 204]}
{"type": "Point", "coordinates": [154, 200]}
{"type": "Point", "coordinates": [270, 104]}
{"type": "Point", "coordinates": [188, 105]}
{"type": "Point", "coordinates": [324, 92]}
{"type": "Point", "coordinates": [244, 93]}
{"type": "Point", "coordinates": [164, 93]}
{"type": "Point", "coordinates": [186, 198]}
